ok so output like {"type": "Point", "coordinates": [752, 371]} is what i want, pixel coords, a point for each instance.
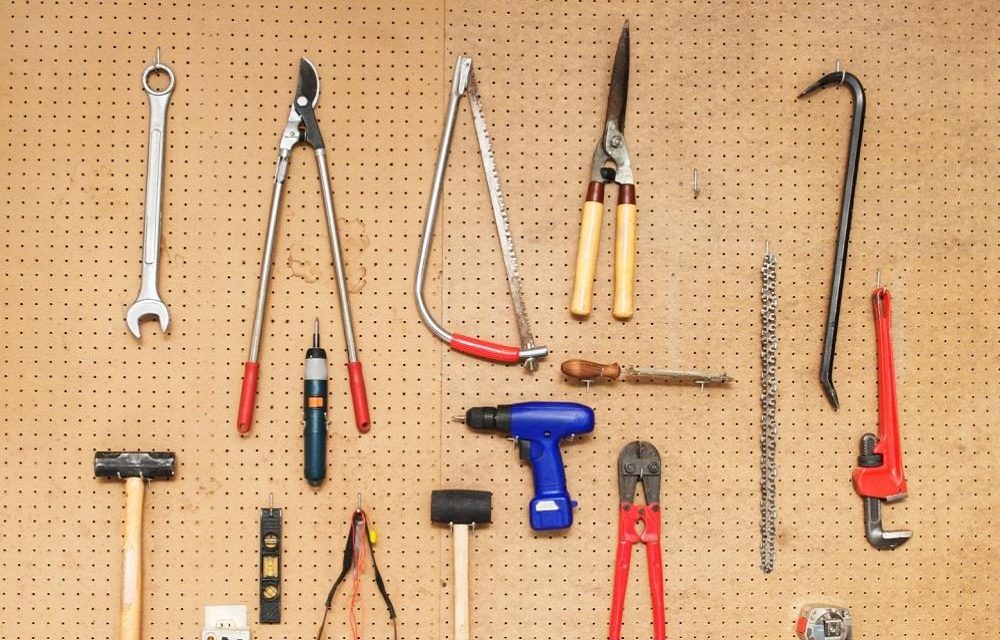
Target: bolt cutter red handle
{"type": "Point", "coordinates": [887, 480]}
{"type": "Point", "coordinates": [629, 517]}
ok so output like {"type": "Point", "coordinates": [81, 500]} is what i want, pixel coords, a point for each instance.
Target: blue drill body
{"type": "Point", "coordinates": [538, 427]}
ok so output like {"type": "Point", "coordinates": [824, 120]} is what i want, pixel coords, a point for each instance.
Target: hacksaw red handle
{"type": "Point", "coordinates": [248, 396]}
{"type": "Point", "coordinates": [485, 349]}
{"type": "Point", "coordinates": [359, 396]}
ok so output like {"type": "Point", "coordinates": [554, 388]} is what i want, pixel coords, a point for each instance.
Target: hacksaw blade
{"type": "Point", "coordinates": [500, 215]}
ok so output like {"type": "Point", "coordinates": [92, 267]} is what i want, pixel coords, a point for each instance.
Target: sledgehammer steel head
{"type": "Point", "coordinates": [461, 506]}
{"type": "Point", "coordinates": [134, 464]}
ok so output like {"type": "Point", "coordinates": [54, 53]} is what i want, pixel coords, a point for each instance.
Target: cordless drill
{"type": "Point", "coordinates": [537, 428]}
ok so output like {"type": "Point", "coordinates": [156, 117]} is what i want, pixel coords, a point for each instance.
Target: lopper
{"type": "Point", "coordinates": [302, 127]}
{"type": "Point", "coordinates": [638, 462]}
{"type": "Point", "coordinates": [611, 149]}
{"type": "Point", "coordinates": [833, 79]}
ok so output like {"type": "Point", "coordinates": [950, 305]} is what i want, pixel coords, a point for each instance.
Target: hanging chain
{"type": "Point", "coordinates": [769, 402]}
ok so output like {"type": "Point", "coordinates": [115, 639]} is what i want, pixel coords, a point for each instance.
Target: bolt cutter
{"type": "Point", "coordinates": [638, 462]}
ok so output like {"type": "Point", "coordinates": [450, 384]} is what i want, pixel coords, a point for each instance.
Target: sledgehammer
{"type": "Point", "coordinates": [461, 508]}
{"type": "Point", "coordinates": [134, 468]}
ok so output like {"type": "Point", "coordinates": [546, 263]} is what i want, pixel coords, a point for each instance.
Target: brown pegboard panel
{"type": "Point", "coordinates": [713, 88]}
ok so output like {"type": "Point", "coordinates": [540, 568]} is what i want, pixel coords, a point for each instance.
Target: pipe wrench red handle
{"type": "Point", "coordinates": [885, 478]}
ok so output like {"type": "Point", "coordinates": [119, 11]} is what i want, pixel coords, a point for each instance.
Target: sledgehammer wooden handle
{"type": "Point", "coordinates": [130, 615]}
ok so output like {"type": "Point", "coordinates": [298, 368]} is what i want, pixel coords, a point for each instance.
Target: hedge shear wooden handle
{"type": "Point", "coordinates": [586, 251]}
{"type": "Point", "coordinates": [625, 232]}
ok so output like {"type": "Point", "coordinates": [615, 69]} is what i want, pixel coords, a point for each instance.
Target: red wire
{"type": "Point", "coordinates": [360, 544]}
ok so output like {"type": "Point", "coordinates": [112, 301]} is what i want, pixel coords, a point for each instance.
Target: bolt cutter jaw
{"type": "Point", "coordinates": [639, 462]}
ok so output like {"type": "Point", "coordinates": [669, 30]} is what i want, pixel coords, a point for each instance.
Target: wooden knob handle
{"type": "Point", "coordinates": [587, 370]}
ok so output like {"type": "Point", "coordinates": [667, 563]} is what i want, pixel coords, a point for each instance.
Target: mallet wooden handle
{"type": "Point", "coordinates": [586, 251]}
{"type": "Point", "coordinates": [587, 370]}
{"type": "Point", "coordinates": [625, 233]}
{"type": "Point", "coordinates": [130, 616]}
{"type": "Point", "coordinates": [460, 539]}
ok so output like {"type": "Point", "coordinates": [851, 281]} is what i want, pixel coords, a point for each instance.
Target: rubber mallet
{"type": "Point", "coordinates": [135, 468]}
{"type": "Point", "coordinates": [462, 509]}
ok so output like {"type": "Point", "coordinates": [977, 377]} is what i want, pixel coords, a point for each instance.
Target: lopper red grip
{"type": "Point", "coordinates": [359, 396]}
{"type": "Point", "coordinates": [484, 349]}
{"type": "Point", "coordinates": [248, 397]}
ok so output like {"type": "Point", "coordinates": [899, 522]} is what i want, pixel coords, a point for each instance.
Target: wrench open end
{"type": "Point", "coordinates": [143, 308]}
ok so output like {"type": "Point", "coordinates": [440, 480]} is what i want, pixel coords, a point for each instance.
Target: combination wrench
{"type": "Point", "coordinates": [148, 302]}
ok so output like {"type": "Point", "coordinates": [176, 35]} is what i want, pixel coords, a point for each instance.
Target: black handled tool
{"type": "Point", "coordinates": [838, 78]}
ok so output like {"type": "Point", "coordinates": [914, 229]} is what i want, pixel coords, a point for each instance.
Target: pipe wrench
{"type": "Point", "coordinates": [880, 475]}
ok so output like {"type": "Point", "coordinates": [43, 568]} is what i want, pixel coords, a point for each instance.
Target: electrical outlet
{"type": "Point", "coordinates": [226, 622]}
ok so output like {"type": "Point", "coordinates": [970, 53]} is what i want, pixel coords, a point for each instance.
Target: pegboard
{"type": "Point", "coordinates": [713, 87]}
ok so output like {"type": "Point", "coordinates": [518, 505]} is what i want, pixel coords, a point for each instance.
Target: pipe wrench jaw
{"type": "Point", "coordinates": [877, 536]}
{"type": "Point", "coordinates": [872, 475]}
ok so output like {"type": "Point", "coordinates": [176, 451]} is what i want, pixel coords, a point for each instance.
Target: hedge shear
{"type": "Point", "coordinates": [638, 462]}
{"type": "Point", "coordinates": [302, 127]}
{"type": "Point", "coordinates": [611, 149]}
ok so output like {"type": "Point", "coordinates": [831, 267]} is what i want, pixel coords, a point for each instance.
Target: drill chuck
{"type": "Point", "coordinates": [489, 418]}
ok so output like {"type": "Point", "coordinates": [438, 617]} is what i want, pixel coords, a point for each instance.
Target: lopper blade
{"type": "Point", "coordinates": [308, 86]}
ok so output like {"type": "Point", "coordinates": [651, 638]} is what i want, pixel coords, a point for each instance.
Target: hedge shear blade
{"type": "Point", "coordinates": [611, 150]}
{"type": "Point", "coordinates": [638, 462]}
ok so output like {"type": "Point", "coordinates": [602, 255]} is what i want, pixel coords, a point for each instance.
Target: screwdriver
{"type": "Point", "coordinates": [314, 407]}
{"type": "Point", "coordinates": [590, 371]}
